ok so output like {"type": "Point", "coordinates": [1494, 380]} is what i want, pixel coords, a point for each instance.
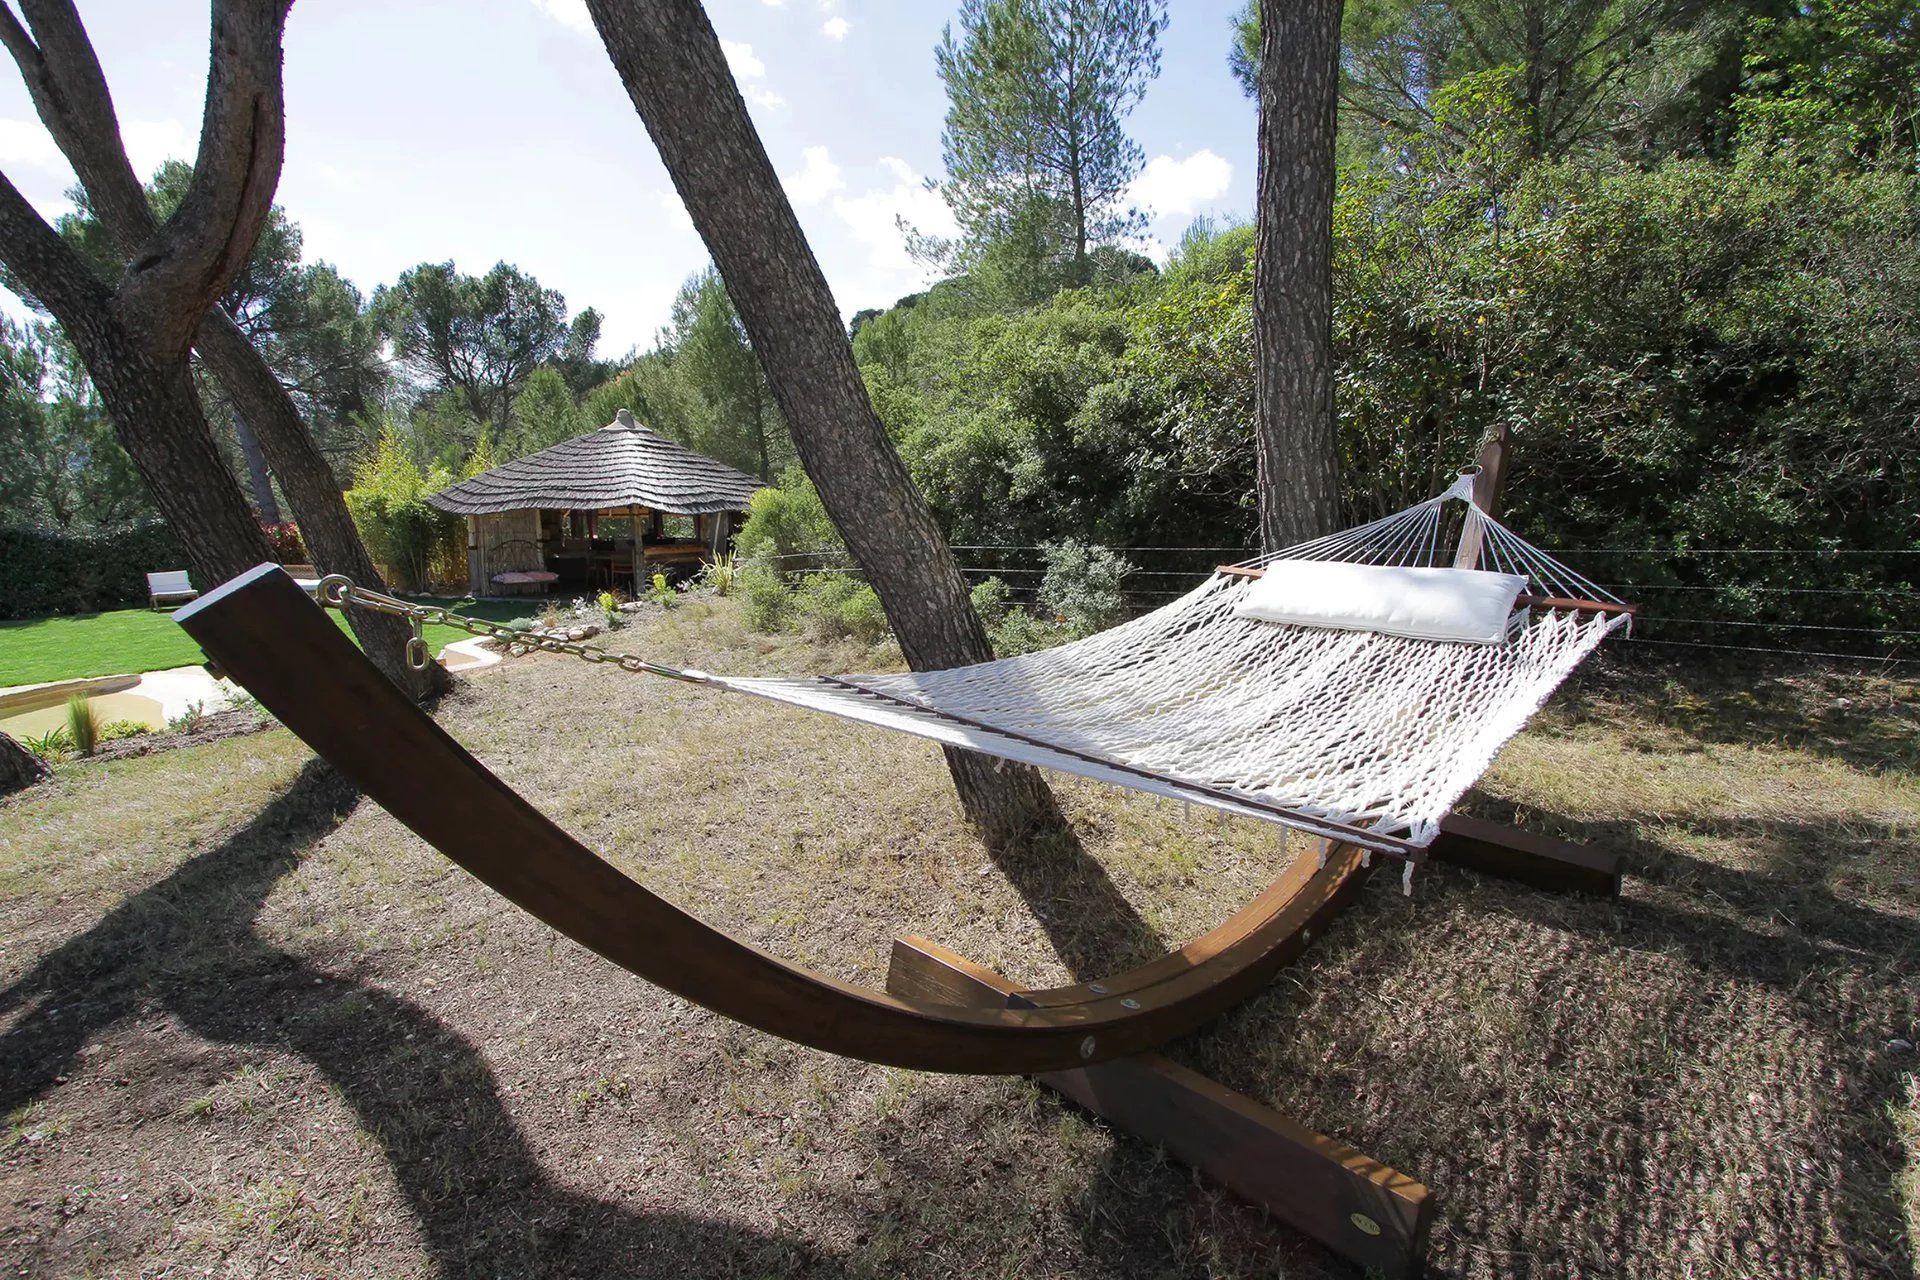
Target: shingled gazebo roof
{"type": "Point", "coordinates": [623, 464]}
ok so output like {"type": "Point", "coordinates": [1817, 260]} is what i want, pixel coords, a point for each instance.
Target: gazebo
{"type": "Point", "coordinates": [603, 509]}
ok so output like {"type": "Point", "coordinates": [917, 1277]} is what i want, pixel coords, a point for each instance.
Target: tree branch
{"type": "Point", "coordinates": [69, 91]}
{"type": "Point", "coordinates": [188, 264]}
{"type": "Point", "coordinates": [48, 268]}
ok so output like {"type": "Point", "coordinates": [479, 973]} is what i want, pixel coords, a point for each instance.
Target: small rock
{"type": "Point", "coordinates": [1899, 1046]}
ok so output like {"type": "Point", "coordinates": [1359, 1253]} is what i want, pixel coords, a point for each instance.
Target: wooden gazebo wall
{"type": "Point", "coordinates": [485, 554]}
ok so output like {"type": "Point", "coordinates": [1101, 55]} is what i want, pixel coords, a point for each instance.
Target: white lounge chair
{"type": "Point", "coordinates": [170, 587]}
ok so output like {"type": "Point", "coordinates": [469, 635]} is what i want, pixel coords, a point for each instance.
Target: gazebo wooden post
{"type": "Point", "coordinates": [639, 550]}
{"type": "Point", "coordinates": [476, 571]}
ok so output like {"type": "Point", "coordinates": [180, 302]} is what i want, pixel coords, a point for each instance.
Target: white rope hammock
{"type": "Point", "coordinates": [1360, 736]}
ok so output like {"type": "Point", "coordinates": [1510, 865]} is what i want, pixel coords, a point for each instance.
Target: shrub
{"type": "Point", "coordinates": [83, 724]}
{"type": "Point", "coordinates": [718, 575]}
{"type": "Point", "coordinates": [1081, 588]}
{"type": "Point", "coordinates": [788, 528]}
{"type": "Point", "coordinates": [1012, 629]}
{"type": "Point", "coordinates": [50, 745]}
{"type": "Point", "coordinates": [833, 606]}
{"type": "Point", "coordinates": [288, 546]}
{"type": "Point", "coordinates": [46, 571]}
{"type": "Point", "coordinates": [766, 600]}
{"type": "Point", "coordinates": [413, 542]}
{"type": "Point", "coordinates": [114, 730]}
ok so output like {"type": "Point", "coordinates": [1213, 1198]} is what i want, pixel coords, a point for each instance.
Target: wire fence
{"type": "Point", "coordinates": [1875, 622]}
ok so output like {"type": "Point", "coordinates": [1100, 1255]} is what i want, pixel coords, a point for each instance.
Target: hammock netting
{"type": "Point", "coordinates": [1355, 735]}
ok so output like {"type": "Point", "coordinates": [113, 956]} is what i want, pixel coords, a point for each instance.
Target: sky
{"type": "Point", "coordinates": [495, 130]}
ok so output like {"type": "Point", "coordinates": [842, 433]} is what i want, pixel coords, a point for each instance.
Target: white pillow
{"type": "Point", "coordinates": [1427, 604]}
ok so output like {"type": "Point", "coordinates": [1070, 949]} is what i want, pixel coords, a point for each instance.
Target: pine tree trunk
{"type": "Point", "coordinates": [156, 415]}
{"type": "Point", "coordinates": [670, 61]}
{"type": "Point", "coordinates": [19, 767]}
{"type": "Point", "coordinates": [1296, 434]}
{"type": "Point", "coordinates": [326, 526]}
{"type": "Point", "coordinates": [258, 479]}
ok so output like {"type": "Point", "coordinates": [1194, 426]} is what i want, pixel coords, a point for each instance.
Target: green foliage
{"type": "Point", "coordinates": [82, 570]}
{"type": "Point", "coordinates": [308, 321]}
{"type": "Point", "coordinates": [764, 597]}
{"type": "Point", "coordinates": [1243, 55]}
{"type": "Point", "coordinates": [545, 414]}
{"type": "Point", "coordinates": [49, 746]}
{"type": "Point", "coordinates": [1037, 157]}
{"type": "Point", "coordinates": [833, 606]}
{"type": "Point", "coordinates": [1837, 80]}
{"type": "Point", "coordinates": [83, 724]}
{"type": "Point", "coordinates": [661, 592]}
{"type": "Point", "coordinates": [477, 339]}
{"type": "Point", "coordinates": [189, 720]}
{"type": "Point", "coordinates": [787, 527]}
{"type": "Point", "coordinates": [1012, 629]}
{"type": "Point", "coordinates": [1591, 74]}
{"type": "Point", "coordinates": [1082, 586]}
{"type": "Point", "coordinates": [63, 464]}
{"type": "Point", "coordinates": [718, 575]}
{"type": "Point", "coordinates": [388, 502]}
{"type": "Point", "coordinates": [707, 390]}
{"type": "Point", "coordinates": [1689, 353]}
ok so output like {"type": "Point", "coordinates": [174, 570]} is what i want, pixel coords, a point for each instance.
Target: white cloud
{"type": "Point", "coordinates": [774, 4]}
{"type": "Point", "coordinates": [819, 177]}
{"type": "Point", "coordinates": [760, 96]}
{"type": "Point", "coordinates": [678, 219]}
{"type": "Point", "coordinates": [26, 144]}
{"type": "Point", "coordinates": [571, 14]}
{"type": "Point", "coordinates": [149, 142]}
{"type": "Point", "coordinates": [873, 220]}
{"type": "Point", "coordinates": [835, 28]}
{"type": "Point", "coordinates": [741, 59]}
{"type": "Point", "coordinates": [1172, 187]}
{"type": "Point", "coordinates": [334, 176]}
{"type": "Point", "coordinates": [152, 142]}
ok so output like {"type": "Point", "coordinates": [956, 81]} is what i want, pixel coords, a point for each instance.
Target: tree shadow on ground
{"type": "Point", "coordinates": [482, 1200]}
{"type": "Point", "coordinates": [1085, 916]}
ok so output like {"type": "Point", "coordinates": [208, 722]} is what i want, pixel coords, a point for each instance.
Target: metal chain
{"type": "Point", "coordinates": [337, 591]}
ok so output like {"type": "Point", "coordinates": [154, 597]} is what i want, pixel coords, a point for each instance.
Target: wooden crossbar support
{"type": "Point", "coordinates": [1353, 1204]}
{"type": "Point", "coordinates": [1526, 856]}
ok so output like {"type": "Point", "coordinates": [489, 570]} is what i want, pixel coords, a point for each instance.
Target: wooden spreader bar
{"type": "Point", "coordinates": [1524, 600]}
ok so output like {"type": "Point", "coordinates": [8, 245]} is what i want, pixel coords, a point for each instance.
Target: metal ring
{"type": "Point", "coordinates": [335, 589]}
{"type": "Point", "coordinates": [417, 655]}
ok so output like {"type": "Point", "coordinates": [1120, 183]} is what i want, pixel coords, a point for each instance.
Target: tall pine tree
{"type": "Point", "coordinates": [1035, 146]}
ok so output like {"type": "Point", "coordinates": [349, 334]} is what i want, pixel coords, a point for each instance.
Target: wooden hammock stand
{"type": "Point", "coordinates": [1091, 1041]}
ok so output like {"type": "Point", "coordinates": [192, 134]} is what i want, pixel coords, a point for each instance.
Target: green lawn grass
{"type": "Point", "coordinates": [129, 641]}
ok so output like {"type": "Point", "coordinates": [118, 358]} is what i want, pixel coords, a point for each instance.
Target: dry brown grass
{"type": "Point", "coordinates": [251, 1027]}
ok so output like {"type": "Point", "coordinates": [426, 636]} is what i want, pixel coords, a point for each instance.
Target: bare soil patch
{"type": "Point", "coordinates": [250, 1027]}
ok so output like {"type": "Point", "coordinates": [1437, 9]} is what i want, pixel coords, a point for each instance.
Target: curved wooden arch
{"type": "Point", "coordinates": [264, 632]}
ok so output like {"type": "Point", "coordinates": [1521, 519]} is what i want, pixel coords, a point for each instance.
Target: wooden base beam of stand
{"type": "Point", "coordinates": [1526, 856]}
{"type": "Point", "coordinates": [1354, 1205]}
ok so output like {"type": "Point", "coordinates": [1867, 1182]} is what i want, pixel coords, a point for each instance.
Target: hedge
{"type": "Point", "coordinates": [46, 571]}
